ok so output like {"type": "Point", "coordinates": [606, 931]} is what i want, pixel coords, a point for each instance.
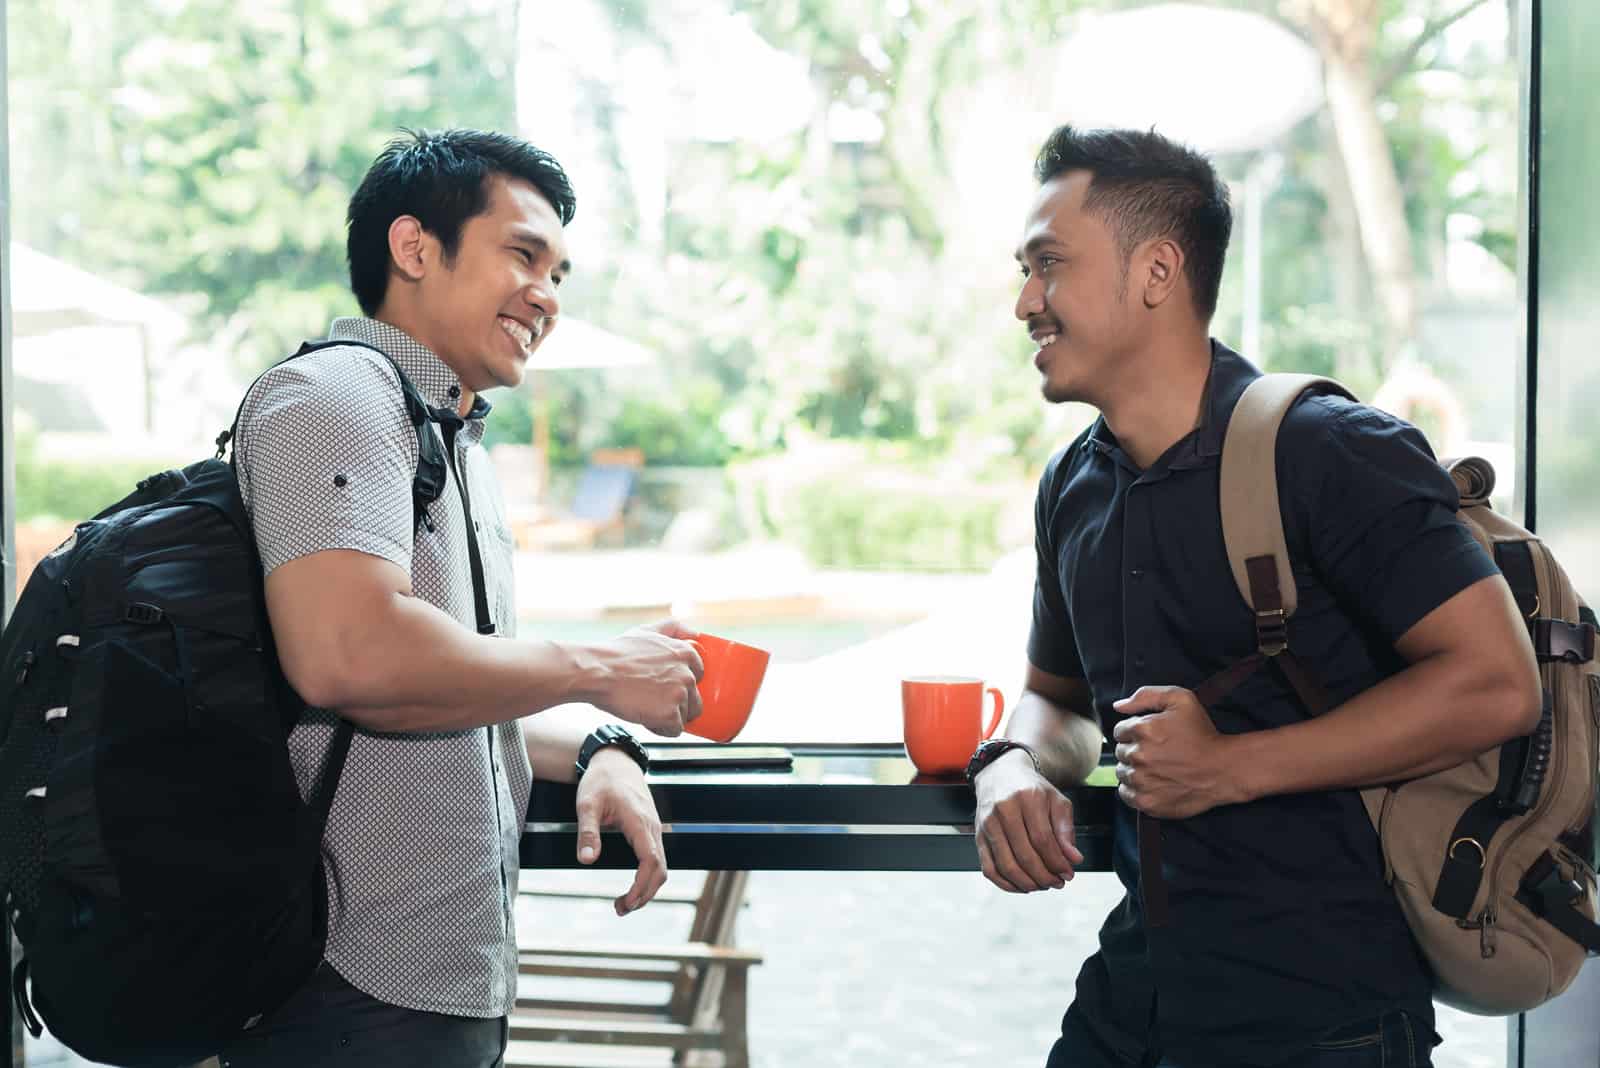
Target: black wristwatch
{"type": "Point", "coordinates": [610, 734]}
{"type": "Point", "coordinates": [990, 750]}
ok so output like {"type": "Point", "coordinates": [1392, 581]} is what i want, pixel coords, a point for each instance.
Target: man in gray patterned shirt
{"type": "Point", "coordinates": [456, 247]}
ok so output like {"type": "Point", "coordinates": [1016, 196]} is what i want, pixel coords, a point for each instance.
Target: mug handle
{"type": "Point", "coordinates": [999, 707]}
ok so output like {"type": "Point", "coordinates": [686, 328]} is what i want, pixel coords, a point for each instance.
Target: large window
{"type": "Point", "coordinates": [790, 318]}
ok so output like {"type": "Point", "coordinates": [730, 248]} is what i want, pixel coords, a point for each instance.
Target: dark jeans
{"type": "Point", "coordinates": [1390, 1041]}
{"type": "Point", "coordinates": [328, 1021]}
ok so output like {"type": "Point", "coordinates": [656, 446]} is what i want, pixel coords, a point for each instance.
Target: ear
{"type": "Point", "coordinates": [1158, 269]}
{"type": "Point", "coordinates": [409, 248]}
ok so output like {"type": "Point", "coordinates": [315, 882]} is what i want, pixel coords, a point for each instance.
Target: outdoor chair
{"type": "Point", "coordinates": [598, 509]}
{"type": "Point", "coordinates": [700, 1019]}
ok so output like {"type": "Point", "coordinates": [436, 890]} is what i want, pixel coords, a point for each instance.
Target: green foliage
{"type": "Point", "coordinates": [680, 430]}
{"type": "Point", "coordinates": [211, 147]}
{"type": "Point", "coordinates": [510, 420]}
{"type": "Point", "coordinates": [62, 489]}
{"type": "Point", "coordinates": [844, 524]}
{"type": "Point", "coordinates": [800, 287]}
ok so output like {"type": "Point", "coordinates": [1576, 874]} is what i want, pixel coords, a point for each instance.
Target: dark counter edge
{"type": "Point", "coordinates": [827, 811]}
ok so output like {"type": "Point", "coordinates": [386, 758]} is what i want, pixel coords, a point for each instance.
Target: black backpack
{"type": "Point", "coordinates": [156, 859]}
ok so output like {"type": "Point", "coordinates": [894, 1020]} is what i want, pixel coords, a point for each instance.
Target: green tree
{"type": "Point", "coordinates": [207, 150]}
{"type": "Point", "coordinates": [855, 290]}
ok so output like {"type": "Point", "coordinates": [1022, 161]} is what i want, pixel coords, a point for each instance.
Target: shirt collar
{"type": "Point", "coordinates": [1230, 373]}
{"type": "Point", "coordinates": [1225, 384]}
{"type": "Point", "coordinates": [439, 385]}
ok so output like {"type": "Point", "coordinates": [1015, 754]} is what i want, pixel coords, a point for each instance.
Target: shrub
{"type": "Point", "coordinates": [70, 489]}
{"type": "Point", "coordinates": [841, 525]}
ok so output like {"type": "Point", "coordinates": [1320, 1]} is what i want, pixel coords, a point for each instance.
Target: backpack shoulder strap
{"type": "Point", "coordinates": [429, 479]}
{"type": "Point", "coordinates": [1252, 525]}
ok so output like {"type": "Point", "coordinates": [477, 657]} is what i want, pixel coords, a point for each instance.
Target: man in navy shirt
{"type": "Point", "coordinates": [1284, 946]}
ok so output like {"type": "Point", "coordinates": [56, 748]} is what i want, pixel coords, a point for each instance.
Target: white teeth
{"type": "Point", "coordinates": [1048, 339]}
{"type": "Point", "coordinates": [519, 333]}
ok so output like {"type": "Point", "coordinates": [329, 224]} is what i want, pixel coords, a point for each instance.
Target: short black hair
{"type": "Point", "coordinates": [1145, 185]}
{"type": "Point", "coordinates": [442, 178]}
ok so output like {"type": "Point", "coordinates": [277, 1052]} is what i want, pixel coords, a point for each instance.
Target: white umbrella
{"type": "Point", "coordinates": [576, 344]}
{"type": "Point", "coordinates": [48, 294]}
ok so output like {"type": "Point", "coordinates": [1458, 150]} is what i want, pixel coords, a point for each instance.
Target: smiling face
{"type": "Point", "coordinates": [1075, 296]}
{"type": "Point", "coordinates": [486, 310]}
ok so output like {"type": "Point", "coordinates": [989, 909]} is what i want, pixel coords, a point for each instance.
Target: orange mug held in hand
{"type": "Point", "coordinates": [728, 687]}
{"type": "Point", "coordinates": [944, 720]}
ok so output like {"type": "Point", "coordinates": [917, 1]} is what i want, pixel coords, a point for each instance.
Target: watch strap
{"type": "Point", "coordinates": [991, 749]}
{"type": "Point", "coordinates": [610, 734]}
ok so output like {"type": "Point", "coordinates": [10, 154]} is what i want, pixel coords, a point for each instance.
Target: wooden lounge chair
{"type": "Point", "coordinates": [598, 509]}
{"type": "Point", "coordinates": [701, 1019]}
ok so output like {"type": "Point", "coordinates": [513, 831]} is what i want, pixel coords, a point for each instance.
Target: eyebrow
{"type": "Point", "coordinates": [529, 237]}
{"type": "Point", "coordinates": [1035, 243]}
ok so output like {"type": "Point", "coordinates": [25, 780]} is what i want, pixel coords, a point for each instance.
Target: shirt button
{"type": "Point", "coordinates": [455, 391]}
{"type": "Point", "coordinates": [1138, 660]}
{"type": "Point", "coordinates": [1136, 573]}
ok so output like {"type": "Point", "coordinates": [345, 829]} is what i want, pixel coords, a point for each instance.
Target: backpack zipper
{"type": "Point", "coordinates": [26, 663]}
{"type": "Point", "coordinates": [1547, 789]}
{"type": "Point", "coordinates": [1485, 925]}
{"type": "Point", "coordinates": [1558, 769]}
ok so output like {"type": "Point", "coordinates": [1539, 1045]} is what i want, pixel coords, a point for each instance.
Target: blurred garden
{"type": "Point", "coordinates": [803, 212]}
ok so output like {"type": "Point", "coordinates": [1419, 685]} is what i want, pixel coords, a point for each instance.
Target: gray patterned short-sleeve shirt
{"type": "Point", "coordinates": [421, 845]}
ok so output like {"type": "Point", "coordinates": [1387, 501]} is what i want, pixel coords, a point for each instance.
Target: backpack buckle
{"type": "Point", "coordinates": [1558, 640]}
{"type": "Point", "coordinates": [1272, 631]}
{"type": "Point", "coordinates": [140, 612]}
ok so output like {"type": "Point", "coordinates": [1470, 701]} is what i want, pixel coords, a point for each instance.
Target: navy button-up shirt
{"type": "Point", "coordinates": [1282, 926]}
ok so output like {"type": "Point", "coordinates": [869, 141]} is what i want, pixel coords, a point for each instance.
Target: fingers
{"type": "Point", "coordinates": [621, 801]}
{"type": "Point", "coordinates": [1127, 730]}
{"type": "Point", "coordinates": [588, 831]}
{"type": "Point", "coordinates": [1128, 789]}
{"type": "Point", "coordinates": [1019, 842]}
{"type": "Point", "coordinates": [990, 872]}
{"type": "Point", "coordinates": [1146, 699]}
{"type": "Point", "coordinates": [692, 706]}
{"type": "Point", "coordinates": [1044, 834]}
{"type": "Point", "coordinates": [672, 628]}
{"type": "Point", "coordinates": [643, 833]}
{"type": "Point", "coordinates": [697, 666]}
{"type": "Point", "coordinates": [1065, 828]}
{"type": "Point", "coordinates": [667, 722]}
{"type": "Point", "coordinates": [1005, 849]}
{"type": "Point", "coordinates": [1128, 756]}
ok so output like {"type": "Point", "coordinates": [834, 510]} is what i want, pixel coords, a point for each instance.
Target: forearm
{"type": "Point", "coordinates": [1066, 739]}
{"type": "Point", "coordinates": [554, 738]}
{"type": "Point", "coordinates": [404, 665]}
{"type": "Point", "coordinates": [1435, 714]}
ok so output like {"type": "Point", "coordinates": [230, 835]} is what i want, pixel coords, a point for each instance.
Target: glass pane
{"type": "Point", "coordinates": [1567, 507]}
{"type": "Point", "coordinates": [792, 305]}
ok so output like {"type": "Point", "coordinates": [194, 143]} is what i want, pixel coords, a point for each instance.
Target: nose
{"type": "Point", "coordinates": [1030, 301]}
{"type": "Point", "coordinates": [542, 296]}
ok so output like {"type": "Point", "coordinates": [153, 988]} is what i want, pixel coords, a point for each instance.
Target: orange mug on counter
{"type": "Point", "coordinates": [944, 720]}
{"type": "Point", "coordinates": [728, 687]}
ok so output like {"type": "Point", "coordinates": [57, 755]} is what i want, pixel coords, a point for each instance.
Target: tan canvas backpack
{"type": "Point", "coordinates": [1493, 861]}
